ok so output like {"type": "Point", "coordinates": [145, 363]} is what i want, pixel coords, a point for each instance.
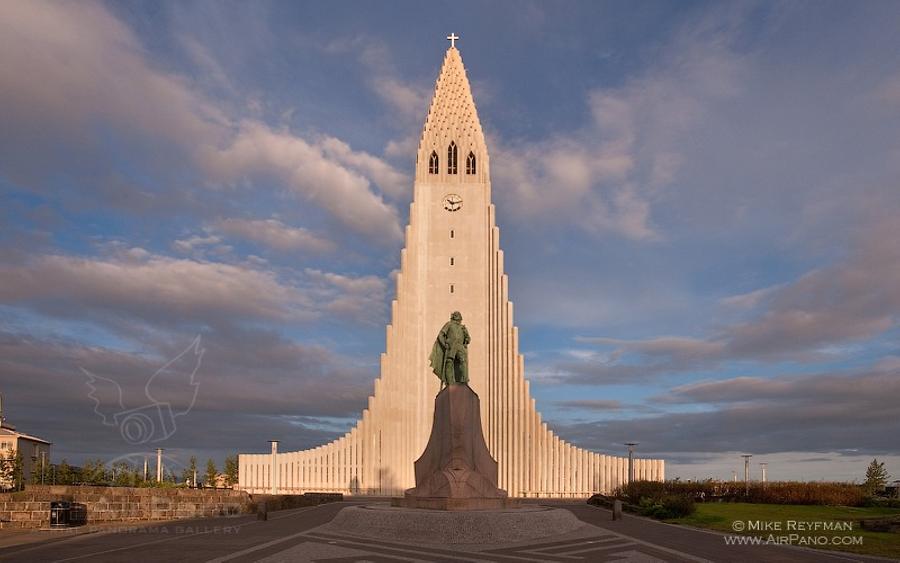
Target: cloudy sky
{"type": "Point", "coordinates": [699, 205]}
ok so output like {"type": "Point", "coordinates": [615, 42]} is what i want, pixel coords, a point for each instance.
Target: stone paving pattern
{"type": "Point", "coordinates": [296, 535]}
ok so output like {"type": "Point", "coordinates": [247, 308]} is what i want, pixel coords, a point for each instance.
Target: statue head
{"type": "Point", "coordinates": [455, 316]}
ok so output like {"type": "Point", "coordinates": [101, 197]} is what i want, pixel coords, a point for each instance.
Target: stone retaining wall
{"type": "Point", "coordinates": [31, 508]}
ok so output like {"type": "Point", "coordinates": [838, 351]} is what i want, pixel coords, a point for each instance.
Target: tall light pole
{"type": "Point", "coordinates": [274, 474]}
{"type": "Point", "coordinates": [747, 472]}
{"type": "Point", "coordinates": [631, 446]}
{"type": "Point", "coordinates": [763, 466]}
{"type": "Point", "coordinates": [159, 467]}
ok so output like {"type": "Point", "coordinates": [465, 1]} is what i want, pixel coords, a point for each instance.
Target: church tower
{"type": "Point", "coordinates": [451, 262]}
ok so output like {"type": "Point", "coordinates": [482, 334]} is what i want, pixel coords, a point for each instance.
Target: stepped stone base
{"type": "Point", "coordinates": [380, 521]}
{"type": "Point", "coordinates": [445, 503]}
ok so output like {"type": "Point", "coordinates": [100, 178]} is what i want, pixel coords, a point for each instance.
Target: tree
{"type": "Point", "coordinates": [231, 470]}
{"type": "Point", "coordinates": [876, 477]}
{"type": "Point", "coordinates": [211, 473]}
{"type": "Point", "coordinates": [94, 472]}
{"type": "Point", "coordinates": [124, 474]}
{"type": "Point", "coordinates": [188, 475]}
{"type": "Point", "coordinates": [64, 475]}
{"type": "Point", "coordinates": [19, 471]}
{"type": "Point", "coordinates": [12, 471]}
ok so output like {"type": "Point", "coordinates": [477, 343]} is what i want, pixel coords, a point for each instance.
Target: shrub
{"type": "Point", "coordinates": [785, 492]}
{"type": "Point", "coordinates": [791, 492]}
{"type": "Point", "coordinates": [671, 506]}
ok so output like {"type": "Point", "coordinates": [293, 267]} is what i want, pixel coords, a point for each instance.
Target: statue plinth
{"type": "Point", "coordinates": [456, 471]}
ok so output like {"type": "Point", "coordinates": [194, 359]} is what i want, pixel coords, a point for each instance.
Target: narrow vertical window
{"type": "Point", "coordinates": [451, 288]}
{"type": "Point", "coordinates": [470, 163]}
{"type": "Point", "coordinates": [451, 233]}
{"type": "Point", "coordinates": [451, 158]}
{"type": "Point", "coordinates": [433, 163]}
{"type": "Point", "coordinates": [451, 260]}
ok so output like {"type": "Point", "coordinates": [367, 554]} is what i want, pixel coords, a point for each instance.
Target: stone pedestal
{"type": "Point", "coordinates": [456, 471]}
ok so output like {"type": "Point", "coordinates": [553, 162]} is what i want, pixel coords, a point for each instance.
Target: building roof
{"type": "Point", "coordinates": [10, 432]}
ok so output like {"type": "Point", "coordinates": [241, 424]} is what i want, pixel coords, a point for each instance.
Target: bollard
{"type": "Point", "coordinates": [261, 511]}
{"type": "Point", "coordinates": [617, 509]}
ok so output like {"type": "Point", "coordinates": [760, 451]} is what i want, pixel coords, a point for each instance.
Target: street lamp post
{"type": "Point", "coordinates": [631, 446]}
{"type": "Point", "coordinates": [746, 472]}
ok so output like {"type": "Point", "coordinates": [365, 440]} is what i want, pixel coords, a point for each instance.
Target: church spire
{"type": "Point", "coordinates": [452, 147]}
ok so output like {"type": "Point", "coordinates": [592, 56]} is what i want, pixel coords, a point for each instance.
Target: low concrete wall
{"type": "Point", "coordinates": [31, 508]}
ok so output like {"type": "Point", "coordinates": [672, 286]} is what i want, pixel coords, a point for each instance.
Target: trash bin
{"type": "Point", "coordinates": [77, 514]}
{"type": "Point", "coordinates": [60, 511]}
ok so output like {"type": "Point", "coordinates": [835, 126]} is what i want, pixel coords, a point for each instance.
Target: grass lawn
{"type": "Point", "coordinates": [778, 520]}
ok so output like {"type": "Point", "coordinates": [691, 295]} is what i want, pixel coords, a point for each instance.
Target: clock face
{"type": "Point", "coordinates": [452, 202]}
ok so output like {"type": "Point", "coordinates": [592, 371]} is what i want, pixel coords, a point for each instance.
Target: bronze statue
{"type": "Point", "coordinates": [449, 355]}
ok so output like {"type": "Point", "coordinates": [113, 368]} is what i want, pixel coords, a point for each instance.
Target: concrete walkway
{"type": "Point", "coordinates": [294, 535]}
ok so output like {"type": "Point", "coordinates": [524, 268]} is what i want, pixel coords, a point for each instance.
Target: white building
{"type": "Point", "coordinates": [451, 262]}
{"type": "Point", "coordinates": [34, 451]}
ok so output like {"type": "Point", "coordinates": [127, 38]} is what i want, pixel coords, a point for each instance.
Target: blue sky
{"type": "Point", "coordinates": [698, 205]}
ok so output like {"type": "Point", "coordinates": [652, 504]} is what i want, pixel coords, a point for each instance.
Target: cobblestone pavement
{"type": "Point", "coordinates": [292, 535]}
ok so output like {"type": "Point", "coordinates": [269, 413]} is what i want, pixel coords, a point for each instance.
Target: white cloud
{"type": "Point", "coordinates": [606, 176]}
{"type": "Point", "coordinates": [160, 290]}
{"type": "Point", "coordinates": [391, 182]}
{"type": "Point", "coordinates": [750, 299]}
{"type": "Point", "coordinates": [402, 148]}
{"type": "Point", "coordinates": [156, 286]}
{"type": "Point", "coordinates": [192, 244]}
{"type": "Point", "coordinates": [361, 298]}
{"type": "Point", "coordinates": [274, 234]}
{"type": "Point", "coordinates": [308, 172]}
{"type": "Point", "coordinates": [850, 301]}
{"type": "Point", "coordinates": [67, 67]}
{"type": "Point", "coordinates": [406, 99]}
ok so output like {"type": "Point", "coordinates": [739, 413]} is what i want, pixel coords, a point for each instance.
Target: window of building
{"type": "Point", "coordinates": [451, 260]}
{"type": "Point", "coordinates": [451, 288]}
{"type": "Point", "coordinates": [433, 163]}
{"type": "Point", "coordinates": [451, 233]}
{"type": "Point", "coordinates": [470, 163]}
{"type": "Point", "coordinates": [451, 158]}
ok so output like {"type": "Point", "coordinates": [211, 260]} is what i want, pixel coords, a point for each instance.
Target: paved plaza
{"type": "Point", "coordinates": [295, 535]}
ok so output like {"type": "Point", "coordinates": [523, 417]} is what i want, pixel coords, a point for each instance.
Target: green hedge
{"type": "Point", "coordinates": [669, 506]}
{"type": "Point", "coordinates": [782, 492]}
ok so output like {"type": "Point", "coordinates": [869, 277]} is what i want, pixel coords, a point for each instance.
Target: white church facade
{"type": "Point", "coordinates": [452, 261]}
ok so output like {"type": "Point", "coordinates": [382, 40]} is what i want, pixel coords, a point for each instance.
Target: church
{"type": "Point", "coordinates": [452, 261]}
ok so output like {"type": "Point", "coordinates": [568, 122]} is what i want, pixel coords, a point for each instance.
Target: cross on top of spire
{"type": "Point", "coordinates": [453, 37]}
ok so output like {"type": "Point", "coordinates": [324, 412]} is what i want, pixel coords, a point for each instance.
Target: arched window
{"type": "Point", "coordinates": [451, 158]}
{"type": "Point", "coordinates": [470, 163]}
{"type": "Point", "coordinates": [433, 163]}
